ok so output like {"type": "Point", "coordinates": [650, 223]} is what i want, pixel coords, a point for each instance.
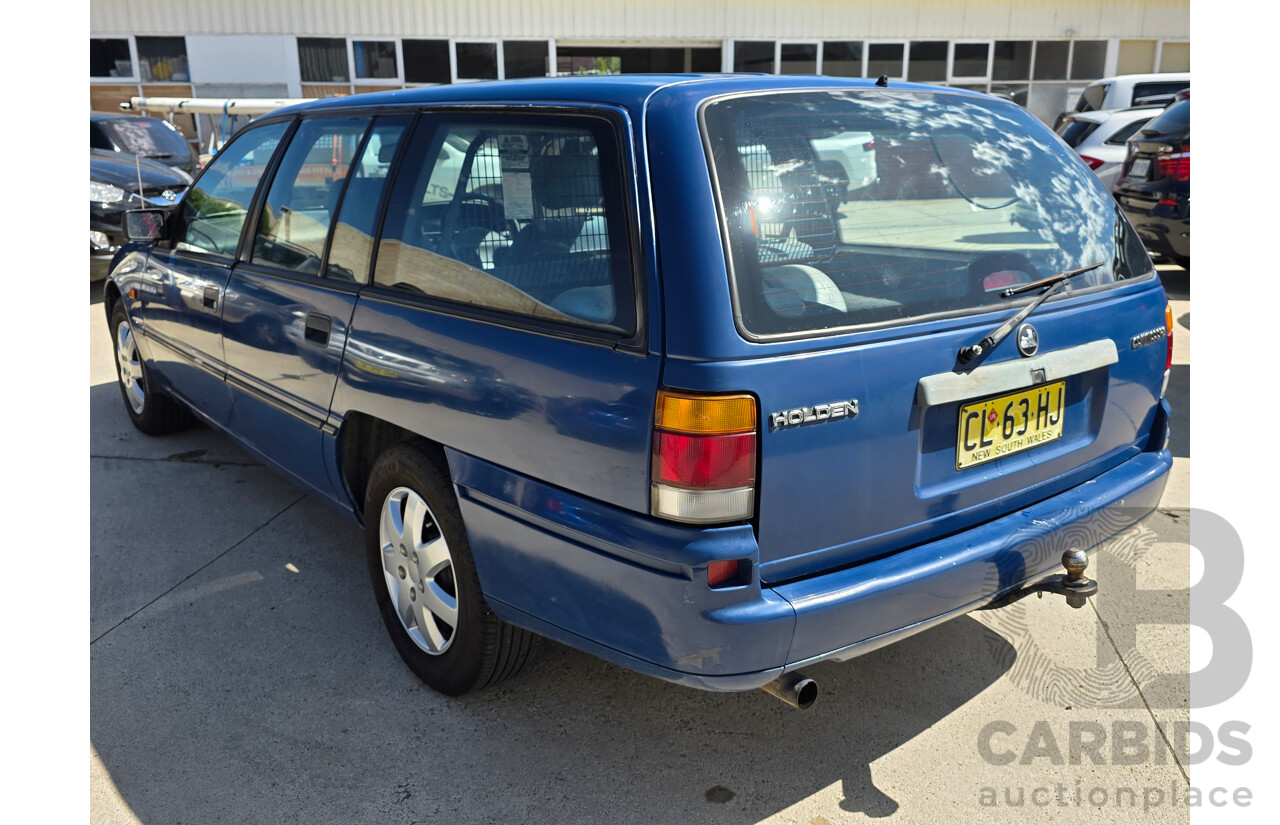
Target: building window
{"type": "Point", "coordinates": [970, 59]}
{"type": "Point", "coordinates": [477, 61]}
{"type": "Point", "coordinates": [799, 58]}
{"type": "Point", "coordinates": [525, 58]}
{"type": "Point", "coordinates": [1051, 59]}
{"type": "Point", "coordinates": [163, 59]}
{"type": "Point", "coordinates": [109, 57]}
{"type": "Point", "coordinates": [842, 58]}
{"type": "Point", "coordinates": [323, 59]}
{"type": "Point", "coordinates": [928, 60]}
{"type": "Point", "coordinates": [375, 59]}
{"type": "Point", "coordinates": [1087, 59]}
{"type": "Point", "coordinates": [753, 56]}
{"type": "Point", "coordinates": [426, 61]}
{"type": "Point", "coordinates": [885, 59]}
{"type": "Point", "coordinates": [1012, 60]}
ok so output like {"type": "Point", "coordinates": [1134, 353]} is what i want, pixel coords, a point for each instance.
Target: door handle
{"type": "Point", "coordinates": [317, 329]}
{"type": "Point", "coordinates": [211, 297]}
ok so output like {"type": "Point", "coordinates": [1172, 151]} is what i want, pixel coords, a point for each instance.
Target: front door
{"type": "Point", "coordinates": [184, 283]}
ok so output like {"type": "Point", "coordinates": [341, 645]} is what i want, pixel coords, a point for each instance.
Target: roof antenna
{"type": "Point", "coordinates": [883, 81]}
{"type": "Point", "coordinates": [137, 164]}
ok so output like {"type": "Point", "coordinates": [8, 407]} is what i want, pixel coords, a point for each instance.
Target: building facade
{"type": "Point", "coordinates": [1038, 52]}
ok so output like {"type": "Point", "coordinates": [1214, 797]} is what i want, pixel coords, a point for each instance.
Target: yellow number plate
{"type": "Point", "coordinates": [1009, 424]}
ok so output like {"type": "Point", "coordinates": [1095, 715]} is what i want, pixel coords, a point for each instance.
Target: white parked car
{"type": "Point", "coordinates": [1099, 137]}
{"type": "Point", "coordinates": [1127, 91]}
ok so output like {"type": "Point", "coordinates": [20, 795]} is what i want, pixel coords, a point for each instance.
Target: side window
{"type": "Point", "coordinates": [523, 215]}
{"type": "Point", "coordinates": [1092, 98]}
{"type": "Point", "coordinates": [352, 245]}
{"type": "Point", "coordinates": [213, 212]}
{"type": "Point", "coordinates": [1126, 132]}
{"type": "Point", "coordinates": [295, 219]}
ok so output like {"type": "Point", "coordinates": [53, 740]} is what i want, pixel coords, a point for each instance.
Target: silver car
{"type": "Point", "coordinates": [1099, 137]}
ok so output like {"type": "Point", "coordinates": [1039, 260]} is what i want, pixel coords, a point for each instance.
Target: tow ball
{"type": "Point", "coordinates": [1073, 585]}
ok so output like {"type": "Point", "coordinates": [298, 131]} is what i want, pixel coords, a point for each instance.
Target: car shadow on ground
{"type": "Point", "coordinates": [251, 680]}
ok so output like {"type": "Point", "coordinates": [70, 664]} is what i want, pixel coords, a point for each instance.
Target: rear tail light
{"type": "Point", "coordinates": [1094, 163]}
{"type": "Point", "coordinates": [1168, 354]}
{"type": "Point", "coordinates": [704, 457]}
{"type": "Point", "coordinates": [868, 146]}
{"type": "Point", "coordinates": [1176, 165]}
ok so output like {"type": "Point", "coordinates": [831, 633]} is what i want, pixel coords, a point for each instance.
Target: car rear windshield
{"type": "Point", "coordinates": [148, 137]}
{"type": "Point", "coordinates": [848, 208]}
{"type": "Point", "coordinates": [1177, 118]}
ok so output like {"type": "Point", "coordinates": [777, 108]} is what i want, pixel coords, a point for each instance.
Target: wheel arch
{"type": "Point", "coordinates": [361, 439]}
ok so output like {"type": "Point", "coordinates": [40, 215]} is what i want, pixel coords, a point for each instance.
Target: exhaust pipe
{"type": "Point", "coordinates": [796, 689]}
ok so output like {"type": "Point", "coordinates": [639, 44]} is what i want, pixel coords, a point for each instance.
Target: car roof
{"type": "Point", "coordinates": [630, 91]}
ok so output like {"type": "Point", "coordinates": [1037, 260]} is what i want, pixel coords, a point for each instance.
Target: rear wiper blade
{"type": "Point", "coordinates": [1049, 285]}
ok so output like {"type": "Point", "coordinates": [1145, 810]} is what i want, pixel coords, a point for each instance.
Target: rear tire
{"type": "Point", "coordinates": [150, 410]}
{"type": "Point", "coordinates": [425, 581]}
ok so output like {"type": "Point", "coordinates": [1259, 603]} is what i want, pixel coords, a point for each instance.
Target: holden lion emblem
{"type": "Point", "coordinates": [1028, 340]}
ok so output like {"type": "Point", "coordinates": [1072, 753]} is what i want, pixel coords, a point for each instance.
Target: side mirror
{"type": "Point", "coordinates": [146, 224]}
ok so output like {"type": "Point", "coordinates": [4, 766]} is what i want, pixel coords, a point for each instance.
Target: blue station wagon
{"type": "Point", "coordinates": [713, 377]}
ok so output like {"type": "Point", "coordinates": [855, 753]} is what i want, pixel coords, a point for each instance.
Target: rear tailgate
{"type": "Point", "coordinates": [838, 490]}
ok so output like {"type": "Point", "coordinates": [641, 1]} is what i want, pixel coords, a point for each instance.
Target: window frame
{"type": "Point", "coordinates": [615, 122]}
{"type": "Point", "coordinates": [906, 57]}
{"type": "Point", "coordinates": [356, 80]}
{"type": "Point", "coordinates": [953, 78]}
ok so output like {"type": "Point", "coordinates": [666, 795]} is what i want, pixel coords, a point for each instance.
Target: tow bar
{"type": "Point", "coordinates": [1073, 585]}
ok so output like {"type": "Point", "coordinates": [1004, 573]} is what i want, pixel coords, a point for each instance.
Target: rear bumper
{"type": "Point", "coordinates": [633, 590]}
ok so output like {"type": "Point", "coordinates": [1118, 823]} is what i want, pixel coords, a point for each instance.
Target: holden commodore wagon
{"type": "Point", "coordinates": [627, 363]}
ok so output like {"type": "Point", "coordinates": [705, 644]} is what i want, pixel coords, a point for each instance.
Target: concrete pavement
{"type": "Point", "coordinates": [241, 674]}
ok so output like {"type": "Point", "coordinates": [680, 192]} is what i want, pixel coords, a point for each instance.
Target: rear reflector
{"type": "Point", "coordinates": [719, 572]}
{"type": "Point", "coordinates": [704, 457]}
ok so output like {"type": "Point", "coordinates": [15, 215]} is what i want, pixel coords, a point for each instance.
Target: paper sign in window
{"type": "Point", "coordinates": [517, 195]}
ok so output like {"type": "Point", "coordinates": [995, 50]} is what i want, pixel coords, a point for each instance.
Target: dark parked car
{"type": "Point", "coordinates": [113, 191]}
{"type": "Point", "coordinates": [815, 419]}
{"type": "Point", "coordinates": [147, 137]}
{"type": "Point", "coordinates": [1154, 189]}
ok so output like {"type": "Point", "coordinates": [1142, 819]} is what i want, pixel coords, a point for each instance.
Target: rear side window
{"type": "Point", "coordinates": [1073, 131]}
{"type": "Point", "coordinates": [1157, 89]}
{"type": "Point", "coordinates": [352, 245]}
{"type": "Point", "coordinates": [213, 212]}
{"type": "Point", "coordinates": [523, 215]}
{"type": "Point", "coordinates": [1091, 99]}
{"type": "Point", "coordinates": [1125, 132]}
{"type": "Point", "coordinates": [851, 208]}
{"type": "Point", "coordinates": [295, 219]}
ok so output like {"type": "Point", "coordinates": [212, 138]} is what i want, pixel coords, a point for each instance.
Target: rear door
{"type": "Point", "coordinates": [289, 302]}
{"type": "Point", "coordinates": [877, 436]}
